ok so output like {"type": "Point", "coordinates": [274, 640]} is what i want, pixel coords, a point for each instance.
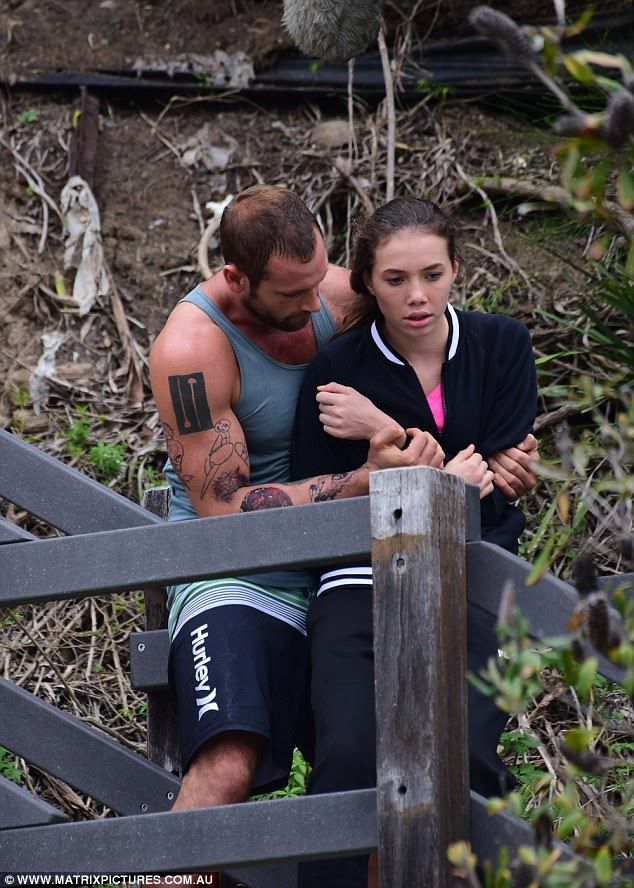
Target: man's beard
{"type": "Point", "coordinates": [287, 325]}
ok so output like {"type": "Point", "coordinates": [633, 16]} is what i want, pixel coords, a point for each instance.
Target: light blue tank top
{"type": "Point", "coordinates": [266, 411]}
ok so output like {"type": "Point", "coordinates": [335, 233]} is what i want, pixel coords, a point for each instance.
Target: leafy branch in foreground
{"type": "Point", "coordinates": [587, 480]}
{"type": "Point", "coordinates": [579, 789]}
{"type": "Point", "coordinates": [595, 160]}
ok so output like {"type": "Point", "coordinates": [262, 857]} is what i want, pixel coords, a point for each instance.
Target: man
{"type": "Point", "coordinates": [225, 371]}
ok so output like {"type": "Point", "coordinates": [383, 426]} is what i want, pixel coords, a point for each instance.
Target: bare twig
{"type": "Point", "coordinates": [131, 364]}
{"type": "Point", "coordinates": [352, 150]}
{"type": "Point", "coordinates": [506, 185]}
{"type": "Point", "coordinates": [203, 247]}
{"type": "Point", "coordinates": [159, 135]}
{"type": "Point", "coordinates": [512, 264]}
{"type": "Point", "coordinates": [198, 211]}
{"type": "Point", "coordinates": [342, 167]}
{"type": "Point", "coordinates": [36, 184]}
{"type": "Point", "coordinates": [556, 416]}
{"type": "Point", "coordinates": [391, 116]}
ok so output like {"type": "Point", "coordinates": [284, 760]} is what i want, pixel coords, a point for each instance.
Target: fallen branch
{"type": "Point", "coordinates": [203, 247]}
{"type": "Point", "coordinates": [217, 209]}
{"type": "Point", "coordinates": [131, 364]}
{"type": "Point", "coordinates": [556, 416]}
{"type": "Point", "coordinates": [511, 264]}
{"type": "Point", "coordinates": [343, 168]}
{"type": "Point", "coordinates": [506, 185]}
{"type": "Point", "coordinates": [36, 184]}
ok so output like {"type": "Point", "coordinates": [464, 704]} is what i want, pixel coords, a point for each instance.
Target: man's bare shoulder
{"type": "Point", "coordinates": [189, 333]}
{"type": "Point", "coordinates": [191, 342]}
{"type": "Point", "coordinates": [336, 290]}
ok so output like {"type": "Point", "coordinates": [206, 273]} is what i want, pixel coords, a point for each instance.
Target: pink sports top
{"type": "Point", "coordinates": [434, 399]}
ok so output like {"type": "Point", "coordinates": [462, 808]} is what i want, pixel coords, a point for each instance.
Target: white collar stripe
{"type": "Point", "coordinates": [383, 347]}
{"type": "Point", "coordinates": [453, 345]}
{"type": "Point", "coordinates": [455, 332]}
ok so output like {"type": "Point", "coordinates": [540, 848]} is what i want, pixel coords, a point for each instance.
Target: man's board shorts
{"type": "Point", "coordinates": [236, 668]}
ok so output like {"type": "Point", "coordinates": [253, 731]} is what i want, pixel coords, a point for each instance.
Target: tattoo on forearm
{"type": "Point", "coordinates": [265, 498]}
{"type": "Point", "coordinates": [224, 483]}
{"type": "Point", "coordinates": [328, 489]}
{"type": "Point", "coordinates": [176, 453]}
{"type": "Point", "coordinates": [189, 400]}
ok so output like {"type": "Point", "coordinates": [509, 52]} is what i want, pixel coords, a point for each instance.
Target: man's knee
{"type": "Point", "coordinates": [221, 772]}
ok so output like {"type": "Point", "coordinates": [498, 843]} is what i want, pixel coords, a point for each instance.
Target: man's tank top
{"type": "Point", "coordinates": [266, 411]}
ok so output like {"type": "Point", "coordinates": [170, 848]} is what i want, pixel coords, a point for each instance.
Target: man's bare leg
{"type": "Point", "coordinates": [221, 772]}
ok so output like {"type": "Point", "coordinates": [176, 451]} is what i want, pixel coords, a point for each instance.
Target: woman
{"type": "Point", "coordinates": [465, 377]}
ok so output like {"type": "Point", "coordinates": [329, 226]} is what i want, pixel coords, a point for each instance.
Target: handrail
{"type": "Point", "coordinates": [140, 557]}
{"type": "Point", "coordinates": [228, 836]}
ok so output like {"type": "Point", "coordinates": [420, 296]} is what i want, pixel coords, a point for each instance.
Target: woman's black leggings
{"type": "Point", "coordinates": [342, 695]}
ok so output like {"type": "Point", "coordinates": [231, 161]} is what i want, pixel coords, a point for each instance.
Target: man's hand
{"type": "Point", "coordinates": [385, 449]}
{"type": "Point", "coordinates": [345, 413]}
{"type": "Point", "coordinates": [470, 466]}
{"type": "Point", "coordinates": [514, 468]}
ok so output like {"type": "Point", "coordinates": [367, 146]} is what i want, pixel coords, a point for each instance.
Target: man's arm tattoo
{"type": "Point", "coordinates": [226, 483]}
{"type": "Point", "coordinates": [223, 483]}
{"type": "Point", "coordinates": [328, 489]}
{"type": "Point", "coordinates": [189, 400]}
{"type": "Point", "coordinates": [273, 497]}
{"type": "Point", "coordinates": [265, 498]}
{"type": "Point", "coordinates": [176, 453]}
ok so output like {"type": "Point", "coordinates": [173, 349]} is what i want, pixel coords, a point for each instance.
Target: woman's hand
{"type": "Point", "coordinates": [344, 413]}
{"type": "Point", "coordinates": [470, 466]}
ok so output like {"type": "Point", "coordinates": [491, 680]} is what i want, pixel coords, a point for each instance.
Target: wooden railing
{"type": "Point", "coordinates": [421, 528]}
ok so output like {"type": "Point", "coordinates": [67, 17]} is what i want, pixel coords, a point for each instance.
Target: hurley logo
{"type": "Point", "coordinates": [204, 704]}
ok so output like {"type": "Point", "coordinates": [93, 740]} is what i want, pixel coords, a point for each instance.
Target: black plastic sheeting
{"type": "Point", "coordinates": [465, 67]}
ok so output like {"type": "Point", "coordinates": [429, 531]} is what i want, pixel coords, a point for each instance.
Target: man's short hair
{"type": "Point", "coordinates": [265, 221]}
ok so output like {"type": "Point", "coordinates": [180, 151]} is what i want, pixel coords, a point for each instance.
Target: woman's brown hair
{"type": "Point", "coordinates": [400, 214]}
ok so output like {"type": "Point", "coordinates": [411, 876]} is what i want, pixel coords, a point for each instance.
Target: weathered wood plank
{"type": "Point", "coordinates": [419, 564]}
{"type": "Point", "coordinates": [83, 140]}
{"type": "Point", "coordinates": [141, 557]}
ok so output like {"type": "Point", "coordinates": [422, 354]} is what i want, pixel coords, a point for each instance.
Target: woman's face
{"type": "Point", "coordinates": [411, 280]}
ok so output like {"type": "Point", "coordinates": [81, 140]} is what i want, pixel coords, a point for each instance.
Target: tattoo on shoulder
{"type": "Point", "coordinates": [189, 400]}
{"type": "Point", "coordinates": [221, 482]}
{"type": "Point", "coordinates": [328, 489]}
{"type": "Point", "coordinates": [176, 453]}
{"type": "Point", "coordinates": [265, 498]}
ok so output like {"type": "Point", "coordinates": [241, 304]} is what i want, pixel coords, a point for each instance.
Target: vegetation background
{"type": "Point", "coordinates": [546, 239]}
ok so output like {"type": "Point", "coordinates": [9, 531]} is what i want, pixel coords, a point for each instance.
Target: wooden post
{"type": "Point", "coordinates": [162, 719]}
{"type": "Point", "coordinates": [420, 647]}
